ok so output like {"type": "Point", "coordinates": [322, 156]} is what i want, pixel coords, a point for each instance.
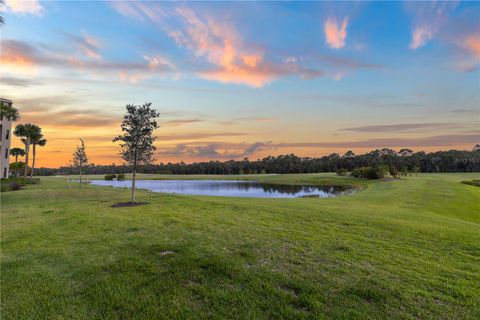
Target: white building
{"type": "Point", "coordinates": [6, 137]}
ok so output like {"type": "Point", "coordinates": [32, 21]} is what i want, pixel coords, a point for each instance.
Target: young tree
{"type": "Point", "coordinates": [137, 140]}
{"type": "Point", "coordinates": [17, 152]}
{"type": "Point", "coordinates": [80, 159]}
{"type": "Point", "coordinates": [27, 132]}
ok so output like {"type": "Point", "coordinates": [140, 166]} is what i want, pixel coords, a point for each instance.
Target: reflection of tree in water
{"type": "Point", "coordinates": [234, 188]}
{"type": "Point", "coordinates": [291, 189]}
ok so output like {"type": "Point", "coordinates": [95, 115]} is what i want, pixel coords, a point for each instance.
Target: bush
{"type": "Point", "coordinates": [32, 181]}
{"type": "Point", "coordinates": [10, 185]}
{"type": "Point", "coordinates": [120, 177]}
{"type": "Point", "coordinates": [110, 177]}
{"type": "Point", "coordinates": [475, 183]}
{"type": "Point", "coordinates": [369, 172]}
{"type": "Point", "coordinates": [342, 172]}
{"type": "Point", "coordinates": [393, 172]}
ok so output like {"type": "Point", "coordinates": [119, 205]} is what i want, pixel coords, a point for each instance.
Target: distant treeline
{"type": "Point", "coordinates": [405, 159]}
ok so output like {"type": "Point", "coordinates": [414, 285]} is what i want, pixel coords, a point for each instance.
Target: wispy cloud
{"type": "Point", "coordinates": [180, 122]}
{"type": "Point", "coordinates": [420, 36]}
{"type": "Point", "coordinates": [428, 18]}
{"type": "Point", "coordinates": [71, 118]}
{"type": "Point", "coordinates": [215, 150]}
{"type": "Point", "coordinates": [25, 58]}
{"type": "Point", "coordinates": [431, 141]}
{"type": "Point", "coordinates": [221, 45]}
{"type": "Point", "coordinates": [335, 33]}
{"type": "Point", "coordinates": [218, 42]}
{"type": "Point", "coordinates": [19, 82]}
{"type": "Point", "coordinates": [199, 136]}
{"type": "Point", "coordinates": [401, 127]}
{"type": "Point", "coordinates": [472, 44]}
{"type": "Point", "coordinates": [25, 7]}
{"type": "Point", "coordinates": [88, 44]}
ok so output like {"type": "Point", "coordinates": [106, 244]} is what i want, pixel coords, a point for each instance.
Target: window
{"type": "Point", "coordinates": [6, 153]}
{"type": "Point", "coordinates": [7, 136]}
{"type": "Point", "coordinates": [5, 172]}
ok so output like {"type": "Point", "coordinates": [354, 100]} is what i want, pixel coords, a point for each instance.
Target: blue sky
{"type": "Point", "coordinates": [246, 79]}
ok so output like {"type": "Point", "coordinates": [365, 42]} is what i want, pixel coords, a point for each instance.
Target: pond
{"type": "Point", "coordinates": [229, 188]}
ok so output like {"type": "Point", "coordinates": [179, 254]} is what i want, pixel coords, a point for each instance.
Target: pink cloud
{"type": "Point", "coordinates": [221, 45]}
{"type": "Point", "coordinates": [156, 62]}
{"type": "Point", "coordinates": [218, 42]}
{"type": "Point", "coordinates": [25, 6]}
{"type": "Point", "coordinates": [472, 44]}
{"type": "Point", "coordinates": [335, 34]}
{"type": "Point", "coordinates": [90, 45]}
{"type": "Point", "coordinates": [428, 20]}
{"type": "Point", "coordinates": [420, 36]}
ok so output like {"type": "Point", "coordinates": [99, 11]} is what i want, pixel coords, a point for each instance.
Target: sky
{"type": "Point", "coordinates": [244, 79]}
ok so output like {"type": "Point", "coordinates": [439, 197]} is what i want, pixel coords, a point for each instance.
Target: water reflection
{"type": "Point", "coordinates": [229, 188]}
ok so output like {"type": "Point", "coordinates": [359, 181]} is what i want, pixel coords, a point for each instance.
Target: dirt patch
{"type": "Point", "coordinates": [128, 204]}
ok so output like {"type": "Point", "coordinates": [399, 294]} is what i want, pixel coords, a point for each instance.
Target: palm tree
{"type": "Point", "coordinates": [27, 132]}
{"type": "Point", "coordinates": [40, 141]}
{"type": "Point", "coordinates": [17, 152]}
{"type": "Point", "coordinates": [9, 112]}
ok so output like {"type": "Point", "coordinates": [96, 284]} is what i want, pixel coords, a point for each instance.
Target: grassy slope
{"type": "Point", "coordinates": [398, 249]}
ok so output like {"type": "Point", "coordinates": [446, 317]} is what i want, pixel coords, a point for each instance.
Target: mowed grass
{"type": "Point", "coordinates": [398, 249]}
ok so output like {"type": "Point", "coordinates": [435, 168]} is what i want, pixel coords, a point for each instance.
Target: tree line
{"type": "Point", "coordinates": [404, 159]}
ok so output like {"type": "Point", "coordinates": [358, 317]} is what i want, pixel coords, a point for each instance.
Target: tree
{"type": "Point", "coordinates": [137, 141]}
{"type": "Point", "coordinates": [80, 159]}
{"type": "Point", "coordinates": [9, 112]}
{"type": "Point", "coordinates": [17, 152]}
{"type": "Point", "coordinates": [349, 154]}
{"type": "Point", "coordinates": [17, 166]}
{"type": "Point", "coordinates": [37, 139]}
{"type": "Point", "coordinates": [26, 131]}
{"type": "Point", "coordinates": [405, 152]}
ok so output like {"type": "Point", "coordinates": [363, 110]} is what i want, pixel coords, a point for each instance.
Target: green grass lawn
{"type": "Point", "coordinates": [397, 249]}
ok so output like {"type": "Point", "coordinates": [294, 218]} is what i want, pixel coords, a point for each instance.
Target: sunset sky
{"type": "Point", "coordinates": [245, 79]}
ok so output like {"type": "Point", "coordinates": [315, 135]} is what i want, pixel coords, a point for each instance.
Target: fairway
{"type": "Point", "coordinates": [407, 248]}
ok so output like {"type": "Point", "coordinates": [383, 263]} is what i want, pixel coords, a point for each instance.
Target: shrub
{"type": "Point", "coordinates": [393, 171]}
{"type": "Point", "coordinates": [369, 172]}
{"type": "Point", "coordinates": [110, 176]}
{"type": "Point", "coordinates": [475, 183]}
{"type": "Point", "coordinates": [32, 181]}
{"type": "Point", "coordinates": [120, 177]}
{"type": "Point", "coordinates": [10, 185]}
{"type": "Point", "coordinates": [404, 171]}
{"type": "Point", "coordinates": [415, 170]}
{"type": "Point", "coordinates": [342, 172]}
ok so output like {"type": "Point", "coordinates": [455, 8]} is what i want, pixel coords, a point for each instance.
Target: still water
{"type": "Point", "coordinates": [229, 188]}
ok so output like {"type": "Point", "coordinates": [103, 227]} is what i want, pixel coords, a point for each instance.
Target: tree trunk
{"type": "Point", "coordinates": [33, 159]}
{"type": "Point", "coordinates": [80, 178]}
{"type": "Point", "coordinates": [16, 165]}
{"type": "Point", "coordinates": [27, 151]}
{"type": "Point", "coordinates": [133, 185]}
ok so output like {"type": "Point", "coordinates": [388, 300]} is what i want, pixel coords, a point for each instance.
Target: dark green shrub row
{"type": "Point", "coordinates": [342, 172]}
{"type": "Point", "coordinates": [369, 172]}
{"type": "Point", "coordinates": [119, 177]}
{"type": "Point", "coordinates": [14, 184]}
{"type": "Point", "coordinates": [475, 183]}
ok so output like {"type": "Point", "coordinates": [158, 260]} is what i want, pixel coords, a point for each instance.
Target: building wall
{"type": "Point", "coordinates": [6, 137]}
